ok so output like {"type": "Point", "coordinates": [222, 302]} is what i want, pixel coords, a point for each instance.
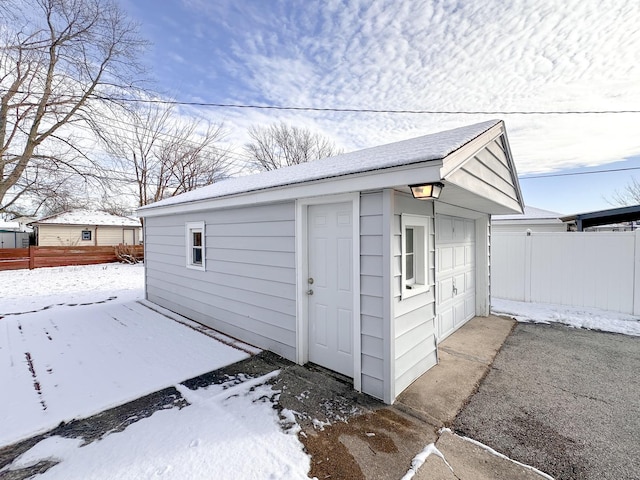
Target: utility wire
{"type": "Point", "coordinates": [368, 110]}
{"type": "Point", "coordinates": [348, 110]}
{"type": "Point", "coordinates": [569, 174]}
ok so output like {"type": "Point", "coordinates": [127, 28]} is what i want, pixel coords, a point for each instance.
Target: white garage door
{"type": "Point", "coordinates": [455, 273]}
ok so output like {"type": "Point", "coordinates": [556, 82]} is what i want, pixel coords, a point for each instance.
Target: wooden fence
{"type": "Point", "coordinates": [580, 269]}
{"type": "Point", "coordinates": [37, 257]}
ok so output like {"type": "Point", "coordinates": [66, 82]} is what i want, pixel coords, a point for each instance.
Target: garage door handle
{"type": "Point", "coordinates": [455, 289]}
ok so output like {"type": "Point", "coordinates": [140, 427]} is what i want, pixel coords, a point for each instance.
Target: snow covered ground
{"type": "Point", "coordinates": [579, 317]}
{"type": "Point", "coordinates": [224, 434]}
{"type": "Point", "coordinates": [74, 341]}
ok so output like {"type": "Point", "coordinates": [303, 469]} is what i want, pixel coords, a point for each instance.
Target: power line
{"type": "Point", "coordinates": [367, 110]}
{"type": "Point", "coordinates": [551, 175]}
{"type": "Point", "coordinates": [347, 109]}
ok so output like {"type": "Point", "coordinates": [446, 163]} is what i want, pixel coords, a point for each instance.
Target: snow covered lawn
{"type": "Point", "coordinates": [74, 341]}
{"type": "Point", "coordinates": [579, 317]}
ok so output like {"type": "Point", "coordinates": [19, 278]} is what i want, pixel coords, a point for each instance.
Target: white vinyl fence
{"type": "Point", "coordinates": [583, 269]}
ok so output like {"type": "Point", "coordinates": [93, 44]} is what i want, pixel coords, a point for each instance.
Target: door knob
{"type": "Point", "coordinates": [309, 292]}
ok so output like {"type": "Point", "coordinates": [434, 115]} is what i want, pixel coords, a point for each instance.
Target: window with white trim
{"type": "Point", "coordinates": [86, 234]}
{"type": "Point", "coordinates": [195, 242]}
{"type": "Point", "coordinates": [415, 254]}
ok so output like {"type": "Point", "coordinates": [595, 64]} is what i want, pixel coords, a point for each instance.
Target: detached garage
{"type": "Point", "coordinates": [360, 263]}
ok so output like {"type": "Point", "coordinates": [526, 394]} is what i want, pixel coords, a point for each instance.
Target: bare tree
{"type": "Point", "coordinates": [280, 145]}
{"type": "Point", "coordinates": [629, 195]}
{"type": "Point", "coordinates": [166, 155]}
{"type": "Point", "coordinates": [58, 58]}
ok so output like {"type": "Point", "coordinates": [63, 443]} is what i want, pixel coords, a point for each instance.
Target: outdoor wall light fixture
{"type": "Point", "coordinates": [428, 191]}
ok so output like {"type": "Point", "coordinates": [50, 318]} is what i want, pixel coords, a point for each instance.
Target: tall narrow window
{"type": "Point", "coordinates": [409, 257]}
{"type": "Point", "coordinates": [196, 249]}
{"type": "Point", "coordinates": [195, 245]}
{"type": "Point", "coordinates": [415, 254]}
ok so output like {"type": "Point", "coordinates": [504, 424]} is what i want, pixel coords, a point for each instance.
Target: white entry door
{"type": "Point", "coordinates": [330, 286]}
{"type": "Point", "coordinates": [455, 273]}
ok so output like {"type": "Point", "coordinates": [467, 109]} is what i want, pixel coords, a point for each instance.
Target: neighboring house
{"type": "Point", "coordinates": [13, 235]}
{"type": "Point", "coordinates": [87, 227]}
{"type": "Point", "coordinates": [334, 261]}
{"type": "Point", "coordinates": [621, 219]}
{"type": "Point", "coordinates": [532, 220]}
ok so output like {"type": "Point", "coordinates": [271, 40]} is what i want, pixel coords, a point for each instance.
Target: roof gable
{"type": "Point", "coordinates": [485, 168]}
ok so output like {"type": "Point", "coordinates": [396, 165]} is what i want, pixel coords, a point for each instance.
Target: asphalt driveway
{"type": "Point", "coordinates": [564, 400]}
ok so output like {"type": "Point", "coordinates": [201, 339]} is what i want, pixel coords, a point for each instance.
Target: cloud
{"type": "Point", "coordinates": [486, 55]}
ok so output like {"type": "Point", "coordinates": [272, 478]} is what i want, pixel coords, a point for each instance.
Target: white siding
{"type": "Point", "coordinates": [372, 288]}
{"type": "Point", "coordinates": [414, 317]}
{"type": "Point", "coordinates": [106, 235]}
{"type": "Point", "coordinates": [248, 290]}
{"type": "Point", "coordinates": [488, 174]}
{"type": "Point", "coordinates": [64, 236]}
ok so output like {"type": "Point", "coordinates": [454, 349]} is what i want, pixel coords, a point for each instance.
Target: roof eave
{"type": "Point", "coordinates": [426, 171]}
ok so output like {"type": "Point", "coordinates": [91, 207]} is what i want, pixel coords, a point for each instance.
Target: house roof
{"type": "Point", "coordinates": [88, 217]}
{"type": "Point", "coordinates": [473, 162]}
{"type": "Point", "coordinates": [530, 213]}
{"type": "Point", "coordinates": [604, 217]}
{"type": "Point", "coordinates": [435, 146]}
{"type": "Point", "coordinates": [9, 226]}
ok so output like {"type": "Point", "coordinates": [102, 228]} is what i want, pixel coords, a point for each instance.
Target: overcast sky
{"type": "Point", "coordinates": [484, 55]}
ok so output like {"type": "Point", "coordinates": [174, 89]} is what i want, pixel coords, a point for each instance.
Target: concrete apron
{"type": "Point", "coordinates": [464, 358]}
{"type": "Point", "coordinates": [438, 396]}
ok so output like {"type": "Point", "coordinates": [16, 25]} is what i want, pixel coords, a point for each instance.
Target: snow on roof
{"type": "Point", "coordinates": [530, 213]}
{"type": "Point", "coordinates": [89, 217]}
{"type": "Point", "coordinates": [435, 146]}
{"type": "Point", "coordinates": [11, 226]}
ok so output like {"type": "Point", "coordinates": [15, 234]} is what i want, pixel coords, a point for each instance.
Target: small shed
{"type": "Point", "coordinates": [335, 262]}
{"type": "Point", "coordinates": [531, 220]}
{"type": "Point", "coordinates": [13, 235]}
{"type": "Point", "coordinates": [86, 228]}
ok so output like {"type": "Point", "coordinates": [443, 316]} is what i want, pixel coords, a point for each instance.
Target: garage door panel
{"type": "Point", "coordinates": [469, 255]}
{"type": "Point", "coordinates": [469, 231]}
{"type": "Point", "coordinates": [459, 228]}
{"type": "Point", "coordinates": [445, 320]}
{"type": "Point", "coordinates": [470, 281]}
{"type": "Point", "coordinates": [445, 290]}
{"type": "Point", "coordinates": [445, 259]}
{"type": "Point", "coordinates": [470, 307]}
{"type": "Point", "coordinates": [459, 287]}
{"type": "Point", "coordinates": [459, 314]}
{"type": "Point", "coordinates": [459, 256]}
{"type": "Point", "coordinates": [444, 230]}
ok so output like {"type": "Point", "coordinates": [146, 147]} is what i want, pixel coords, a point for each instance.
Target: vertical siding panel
{"type": "Point", "coordinates": [372, 293]}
